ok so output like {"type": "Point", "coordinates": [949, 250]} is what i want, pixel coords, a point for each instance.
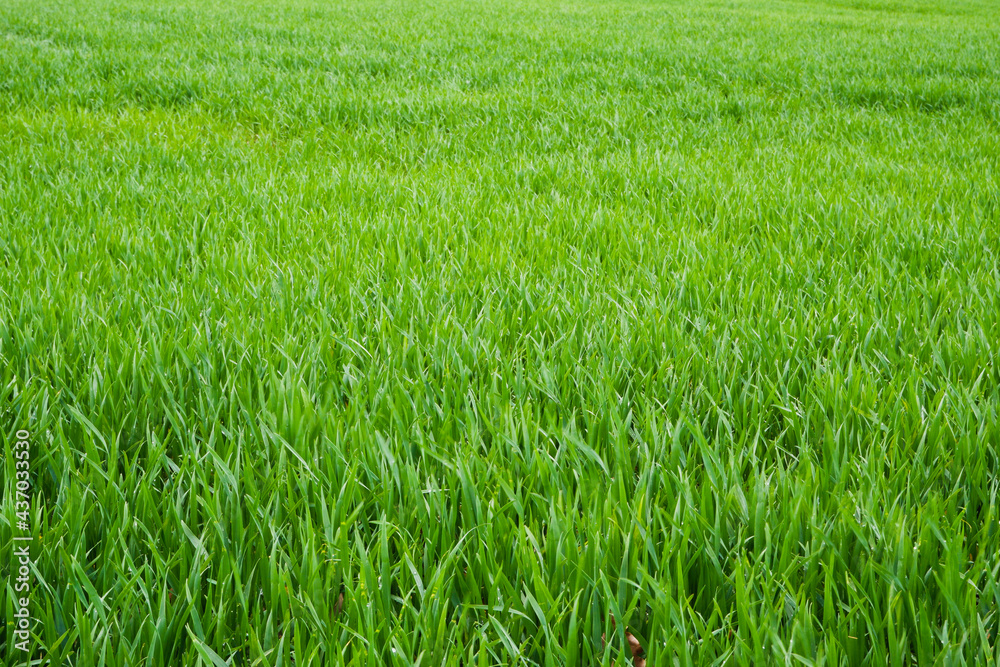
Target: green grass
{"type": "Point", "coordinates": [502, 319]}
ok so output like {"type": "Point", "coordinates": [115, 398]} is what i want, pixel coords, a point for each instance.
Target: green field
{"type": "Point", "coordinates": [386, 333]}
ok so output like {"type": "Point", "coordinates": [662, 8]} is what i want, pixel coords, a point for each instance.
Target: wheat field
{"type": "Point", "coordinates": [500, 333]}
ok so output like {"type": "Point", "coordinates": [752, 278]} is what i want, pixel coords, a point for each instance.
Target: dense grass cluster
{"type": "Point", "coordinates": [446, 332]}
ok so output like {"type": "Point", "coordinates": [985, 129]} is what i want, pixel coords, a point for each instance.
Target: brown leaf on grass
{"type": "Point", "coordinates": [638, 655]}
{"type": "Point", "coordinates": [339, 606]}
